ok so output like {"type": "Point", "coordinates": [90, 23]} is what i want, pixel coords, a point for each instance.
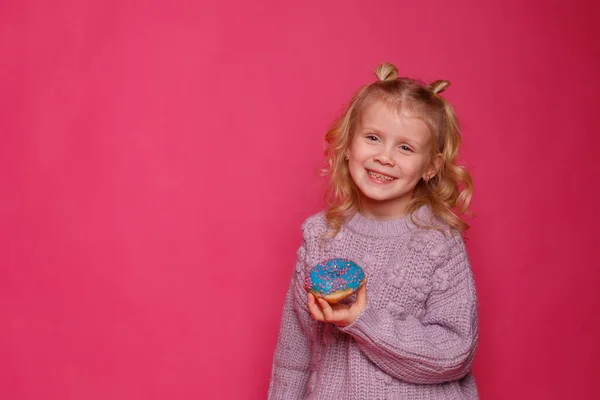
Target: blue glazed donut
{"type": "Point", "coordinates": [334, 279]}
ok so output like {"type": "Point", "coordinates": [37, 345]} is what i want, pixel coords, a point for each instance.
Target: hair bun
{"type": "Point", "coordinates": [386, 72]}
{"type": "Point", "coordinates": [438, 87]}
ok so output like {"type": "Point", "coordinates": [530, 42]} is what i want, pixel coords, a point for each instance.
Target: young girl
{"type": "Point", "coordinates": [411, 331]}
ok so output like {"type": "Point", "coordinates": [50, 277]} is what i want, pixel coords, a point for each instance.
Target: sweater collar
{"type": "Point", "coordinates": [388, 228]}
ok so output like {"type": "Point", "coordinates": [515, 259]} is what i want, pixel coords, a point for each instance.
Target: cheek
{"type": "Point", "coordinates": [418, 168]}
{"type": "Point", "coordinates": [356, 151]}
{"type": "Point", "coordinates": [355, 168]}
{"type": "Point", "coordinates": [360, 150]}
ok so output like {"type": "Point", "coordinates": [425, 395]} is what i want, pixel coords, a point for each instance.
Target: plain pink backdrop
{"type": "Point", "coordinates": [157, 160]}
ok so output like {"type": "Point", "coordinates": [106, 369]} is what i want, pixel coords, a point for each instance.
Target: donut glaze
{"type": "Point", "coordinates": [333, 276]}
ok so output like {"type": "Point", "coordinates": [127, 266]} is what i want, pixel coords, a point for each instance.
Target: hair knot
{"type": "Point", "coordinates": [386, 72]}
{"type": "Point", "coordinates": [438, 87]}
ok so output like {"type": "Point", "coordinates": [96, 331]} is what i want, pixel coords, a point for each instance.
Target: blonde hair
{"type": "Point", "coordinates": [447, 193]}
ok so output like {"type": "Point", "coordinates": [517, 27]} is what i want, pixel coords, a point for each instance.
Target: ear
{"type": "Point", "coordinates": [434, 167]}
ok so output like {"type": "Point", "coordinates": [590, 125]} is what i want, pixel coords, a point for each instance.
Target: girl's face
{"type": "Point", "coordinates": [388, 155]}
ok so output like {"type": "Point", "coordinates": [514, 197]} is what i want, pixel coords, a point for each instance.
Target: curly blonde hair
{"type": "Point", "coordinates": [447, 193]}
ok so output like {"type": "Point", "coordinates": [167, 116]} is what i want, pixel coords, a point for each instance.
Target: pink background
{"type": "Point", "coordinates": [157, 159]}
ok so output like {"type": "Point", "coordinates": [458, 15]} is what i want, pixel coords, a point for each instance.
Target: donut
{"type": "Point", "coordinates": [334, 279]}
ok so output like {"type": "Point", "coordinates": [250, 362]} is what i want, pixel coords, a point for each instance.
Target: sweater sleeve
{"type": "Point", "coordinates": [291, 363]}
{"type": "Point", "coordinates": [438, 348]}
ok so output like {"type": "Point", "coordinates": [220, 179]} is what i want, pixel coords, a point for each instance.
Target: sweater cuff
{"type": "Point", "coordinates": [367, 321]}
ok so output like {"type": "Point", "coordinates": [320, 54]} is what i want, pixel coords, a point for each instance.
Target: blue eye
{"type": "Point", "coordinates": [405, 148]}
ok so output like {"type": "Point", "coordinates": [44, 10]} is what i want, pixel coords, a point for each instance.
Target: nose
{"type": "Point", "coordinates": [384, 158]}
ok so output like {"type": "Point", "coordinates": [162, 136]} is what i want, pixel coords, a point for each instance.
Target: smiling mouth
{"type": "Point", "coordinates": [379, 176]}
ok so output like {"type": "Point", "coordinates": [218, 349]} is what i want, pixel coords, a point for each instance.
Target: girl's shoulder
{"type": "Point", "coordinates": [436, 243]}
{"type": "Point", "coordinates": [315, 225]}
{"type": "Point", "coordinates": [435, 235]}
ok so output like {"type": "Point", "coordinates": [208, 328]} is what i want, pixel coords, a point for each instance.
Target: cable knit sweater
{"type": "Point", "coordinates": [416, 338]}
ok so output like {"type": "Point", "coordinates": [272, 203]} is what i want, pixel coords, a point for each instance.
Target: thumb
{"type": "Point", "coordinates": [361, 296]}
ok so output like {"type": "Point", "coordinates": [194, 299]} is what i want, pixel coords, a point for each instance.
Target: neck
{"type": "Point", "coordinates": [383, 210]}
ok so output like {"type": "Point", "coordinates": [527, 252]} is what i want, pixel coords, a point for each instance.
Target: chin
{"type": "Point", "coordinates": [376, 198]}
{"type": "Point", "coordinates": [379, 197]}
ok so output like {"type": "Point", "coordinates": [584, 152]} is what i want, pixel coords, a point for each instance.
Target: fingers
{"type": "Point", "coordinates": [338, 314]}
{"type": "Point", "coordinates": [320, 309]}
{"type": "Point", "coordinates": [327, 311]}
{"type": "Point", "coordinates": [314, 309]}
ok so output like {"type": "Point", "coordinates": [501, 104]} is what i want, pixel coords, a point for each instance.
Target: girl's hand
{"type": "Point", "coordinates": [338, 314]}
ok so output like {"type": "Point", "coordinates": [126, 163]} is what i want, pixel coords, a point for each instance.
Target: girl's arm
{"type": "Point", "coordinates": [291, 362]}
{"type": "Point", "coordinates": [438, 348]}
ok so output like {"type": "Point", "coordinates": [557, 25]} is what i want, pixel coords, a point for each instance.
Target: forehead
{"type": "Point", "coordinates": [383, 117]}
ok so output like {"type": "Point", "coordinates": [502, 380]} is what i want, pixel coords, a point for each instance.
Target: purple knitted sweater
{"type": "Point", "coordinates": [416, 338]}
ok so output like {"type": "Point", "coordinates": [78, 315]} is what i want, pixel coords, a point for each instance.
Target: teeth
{"type": "Point", "coordinates": [380, 177]}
